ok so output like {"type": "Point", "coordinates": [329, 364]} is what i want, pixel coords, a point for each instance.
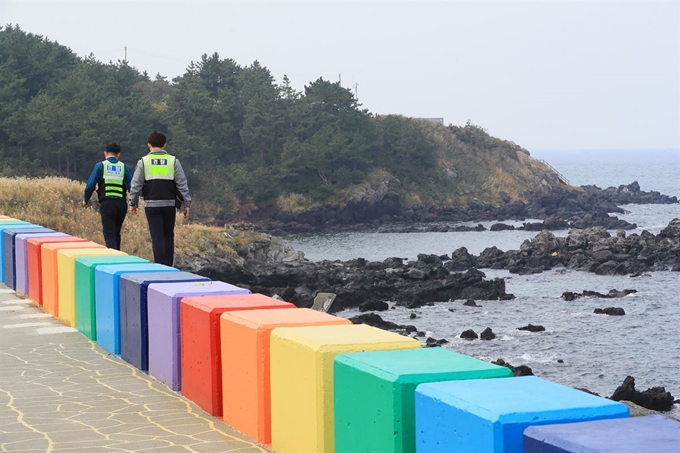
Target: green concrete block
{"type": "Point", "coordinates": [85, 295]}
{"type": "Point", "coordinates": [375, 394]}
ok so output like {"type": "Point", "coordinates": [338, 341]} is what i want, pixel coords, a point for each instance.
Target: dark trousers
{"type": "Point", "coordinates": [162, 228]}
{"type": "Point", "coordinates": [113, 212]}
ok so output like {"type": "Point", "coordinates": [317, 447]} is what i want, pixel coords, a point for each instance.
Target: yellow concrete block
{"type": "Point", "coordinates": [302, 380]}
{"type": "Point", "coordinates": [66, 266]}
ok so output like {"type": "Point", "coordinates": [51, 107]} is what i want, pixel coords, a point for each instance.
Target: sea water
{"type": "Point", "coordinates": [597, 352]}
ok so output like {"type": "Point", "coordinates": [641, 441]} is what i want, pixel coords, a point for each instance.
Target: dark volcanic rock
{"type": "Point", "coordinates": [611, 311]}
{"type": "Point", "coordinates": [374, 305]}
{"type": "Point", "coordinates": [433, 342]}
{"type": "Point", "coordinates": [532, 328]}
{"type": "Point", "coordinates": [470, 303]}
{"type": "Point", "coordinates": [469, 335]}
{"type": "Point", "coordinates": [612, 294]}
{"type": "Point", "coordinates": [521, 370]}
{"type": "Point", "coordinates": [655, 398]}
{"type": "Point", "coordinates": [373, 319]}
{"type": "Point", "coordinates": [487, 334]}
{"type": "Point", "coordinates": [501, 227]}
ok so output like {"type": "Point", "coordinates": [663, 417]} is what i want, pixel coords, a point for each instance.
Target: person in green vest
{"type": "Point", "coordinates": [111, 178]}
{"type": "Point", "coordinates": [160, 180]}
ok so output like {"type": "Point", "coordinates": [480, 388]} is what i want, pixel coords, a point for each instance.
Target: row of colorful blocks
{"type": "Point", "coordinates": [302, 379]}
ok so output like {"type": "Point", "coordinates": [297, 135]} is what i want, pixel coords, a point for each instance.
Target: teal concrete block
{"type": "Point", "coordinates": [490, 415]}
{"type": "Point", "coordinates": [107, 299]}
{"type": "Point", "coordinates": [86, 321]}
{"type": "Point", "coordinates": [653, 433]}
{"type": "Point", "coordinates": [374, 394]}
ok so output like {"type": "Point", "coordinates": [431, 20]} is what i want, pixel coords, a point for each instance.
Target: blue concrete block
{"type": "Point", "coordinates": [654, 434]}
{"type": "Point", "coordinates": [107, 299]}
{"type": "Point", "coordinates": [9, 250]}
{"type": "Point", "coordinates": [134, 329]}
{"type": "Point", "coordinates": [490, 415]}
{"type": "Point", "coordinates": [3, 227]}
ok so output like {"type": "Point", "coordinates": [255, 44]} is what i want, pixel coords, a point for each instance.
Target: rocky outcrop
{"type": "Point", "coordinates": [267, 265]}
{"type": "Point", "coordinates": [612, 294]}
{"type": "Point", "coordinates": [655, 398]}
{"type": "Point", "coordinates": [520, 370]}
{"type": "Point", "coordinates": [585, 207]}
{"type": "Point", "coordinates": [591, 250]}
{"type": "Point", "coordinates": [532, 328]}
{"type": "Point", "coordinates": [611, 311]}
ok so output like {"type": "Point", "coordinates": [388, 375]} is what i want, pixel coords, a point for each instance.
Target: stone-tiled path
{"type": "Point", "coordinates": [59, 392]}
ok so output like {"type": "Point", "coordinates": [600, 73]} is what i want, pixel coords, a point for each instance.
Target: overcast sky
{"type": "Point", "coordinates": [545, 74]}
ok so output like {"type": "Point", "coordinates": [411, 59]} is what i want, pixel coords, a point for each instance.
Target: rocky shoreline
{"type": "Point", "coordinates": [583, 207]}
{"type": "Point", "coordinates": [271, 267]}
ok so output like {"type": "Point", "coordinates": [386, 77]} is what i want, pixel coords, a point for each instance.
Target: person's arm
{"type": "Point", "coordinates": [183, 187]}
{"type": "Point", "coordinates": [136, 186]}
{"type": "Point", "coordinates": [92, 182]}
{"type": "Point", "coordinates": [127, 179]}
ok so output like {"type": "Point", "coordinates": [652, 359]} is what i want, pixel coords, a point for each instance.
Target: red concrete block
{"type": "Point", "coordinates": [34, 263]}
{"type": "Point", "coordinates": [201, 356]}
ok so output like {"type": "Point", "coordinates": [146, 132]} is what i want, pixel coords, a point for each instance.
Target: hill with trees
{"type": "Point", "coordinates": [252, 148]}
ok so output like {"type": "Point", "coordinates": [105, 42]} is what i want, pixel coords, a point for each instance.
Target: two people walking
{"type": "Point", "coordinates": [158, 178]}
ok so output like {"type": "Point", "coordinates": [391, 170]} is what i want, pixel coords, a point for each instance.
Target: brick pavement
{"type": "Point", "coordinates": [60, 392]}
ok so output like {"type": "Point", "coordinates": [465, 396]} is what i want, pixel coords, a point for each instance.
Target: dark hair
{"type": "Point", "coordinates": [112, 147]}
{"type": "Point", "coordinates": [156, 139]}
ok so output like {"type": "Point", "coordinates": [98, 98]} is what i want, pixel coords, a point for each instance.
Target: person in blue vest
{"type": "Point", "coordinates": [112, 179]}
{"type": "Point", "coordinates": [160, 180]}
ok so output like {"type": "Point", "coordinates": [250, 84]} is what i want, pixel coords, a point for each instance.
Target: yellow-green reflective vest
{"type": "Point", "coordinates": [159, 175]}
{"type": "Point", "coordinates": [159, 166]}
{"type": "Point", "coordinates": [113, 174]}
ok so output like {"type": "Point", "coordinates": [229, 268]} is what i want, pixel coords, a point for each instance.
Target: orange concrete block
{"type": "Point", "coordinates": [50, 271]}
{"type": "Point", "coordinates": [246, 399]}
{"type": "Point", "coordinates": [200, 331]}
{"type": "Point", "coordinates": [34, 263]}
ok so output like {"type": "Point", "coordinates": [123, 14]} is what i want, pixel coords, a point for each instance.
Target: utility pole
{"type": "Point", "coordinates": [125, 60]}
{"type": "Point", "coordinates": [340, 79]}
{"type": "Point", "coordinates": [356, 89]}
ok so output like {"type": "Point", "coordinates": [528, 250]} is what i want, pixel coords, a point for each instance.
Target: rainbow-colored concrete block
{"type": "Point", "coordinates": [9, 250]}
{"type": "Point", "coordinates": [107, 299]}
{"type": "Point", "coordinates": [245, 364]}
{"type": "Point", "coordinates": [86, 321]}
{"type": "Point", "coordinates": [302, 380]}
{"type": "Point", "coordinates": [66, 263]}
{"type": "Point", "coordinates": [134, 327]}
{"type": "Point", "coordinates": [21, 259]}
{"type": "Point", "coordinates": [490, 415]}
{"type": "Point", "coordinates": [375, 394]}
{"type": "Point", "coordinates": [163, 301]}
{"type": "Point", "coordinates": [34, 259]}
{"type": "Point", "coordinates": [201, 354]}
{"type": "Point", "coordinates": [653, 433]}
{"type": "Point", "coordinates": [50, 271]}
{"type": "Point", "coordinates": [9, 223]}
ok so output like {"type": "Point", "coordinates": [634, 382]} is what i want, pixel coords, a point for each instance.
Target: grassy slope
{"type": "Point", "coordinates": [56, 203]}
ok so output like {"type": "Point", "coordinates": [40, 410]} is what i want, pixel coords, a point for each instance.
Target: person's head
{"type": "Point", "coordinates": [156, 140]}
{"type": "Point", "coordinates": [112, 150]}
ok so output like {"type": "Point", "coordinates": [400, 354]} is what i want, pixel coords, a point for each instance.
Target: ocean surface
{"type": "Point", "coordinates": [597, 351]}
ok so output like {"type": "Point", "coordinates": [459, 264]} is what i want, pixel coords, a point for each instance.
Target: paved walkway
{"type": "Point", "coordinates": [60, 392]}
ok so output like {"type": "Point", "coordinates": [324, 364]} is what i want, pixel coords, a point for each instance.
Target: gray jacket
{"type": "Point", "coordinates": [138, 181]}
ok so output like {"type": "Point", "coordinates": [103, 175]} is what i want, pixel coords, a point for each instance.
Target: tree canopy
{"type": "Point", "coordinates": [245, 140]}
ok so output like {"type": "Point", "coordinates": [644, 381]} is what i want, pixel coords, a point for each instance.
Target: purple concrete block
{"type": "Point", "coordinates": [653, 433]}
{"type": "Point", "coordinates": [163, 301]}
{"type": "Point", "coordinates": [21, 262]}
{"type": "Point", "coordinates": [9, 250]}
{"type": "Point", "coordinates": [134, 319]}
